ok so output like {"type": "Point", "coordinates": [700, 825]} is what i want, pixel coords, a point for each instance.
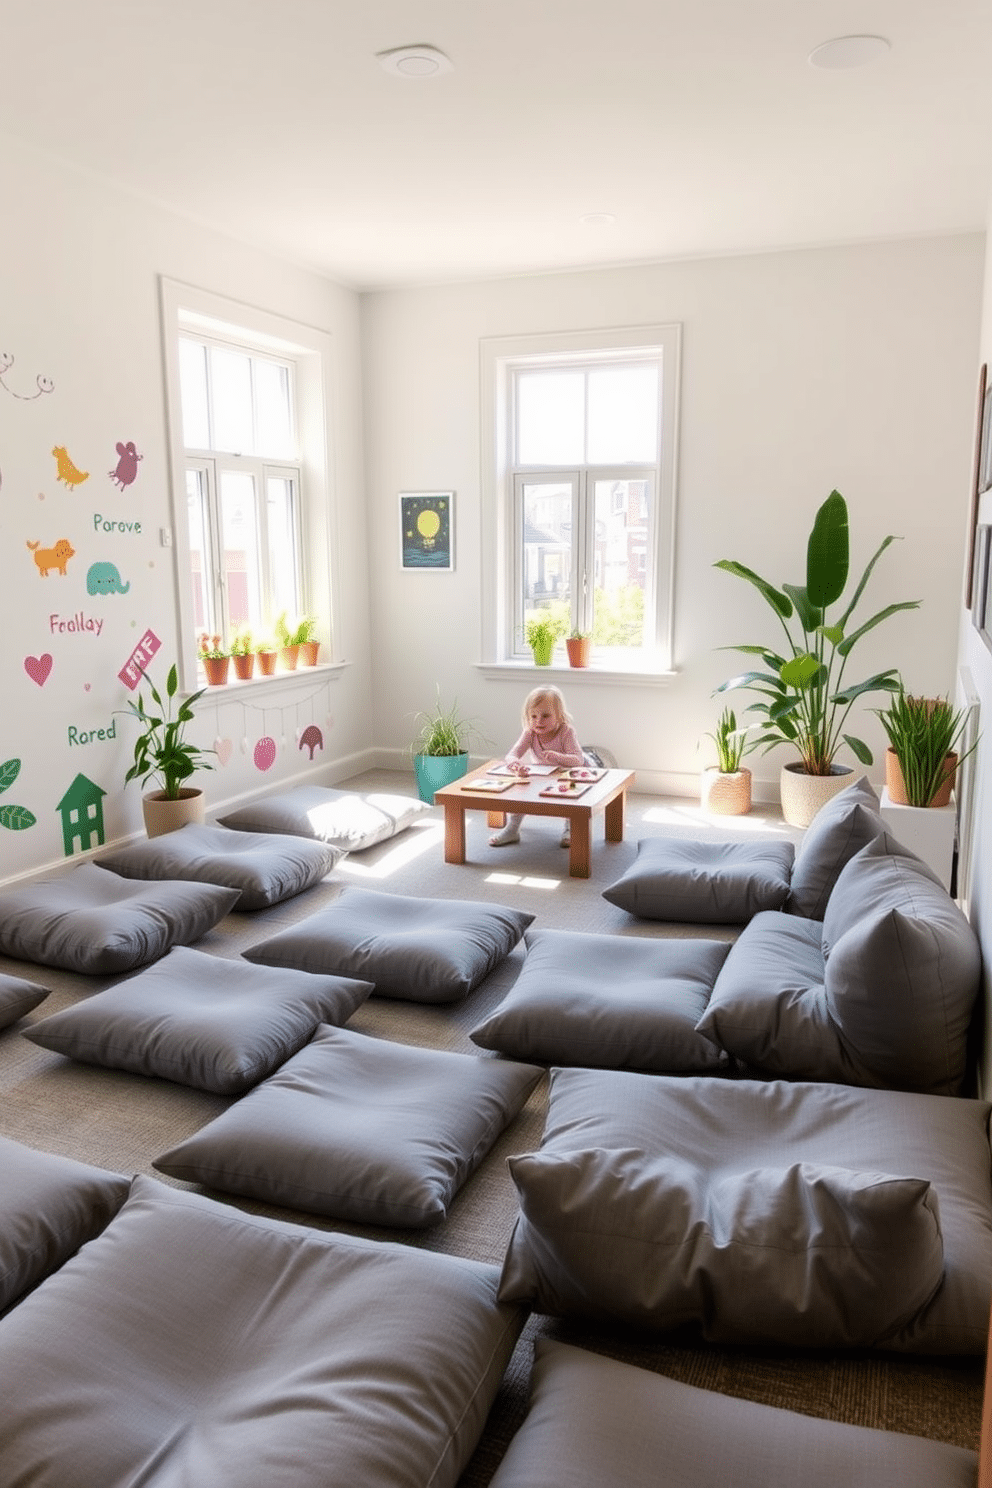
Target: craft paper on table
{"type": "Point", "coordinates": [584, 772]}
{"type": "Point", "coordinates": [489, 784]}
{"type": "Point", "coordinates": [566, 789]}
{"type": "Point", "coordinates": [531, 770]}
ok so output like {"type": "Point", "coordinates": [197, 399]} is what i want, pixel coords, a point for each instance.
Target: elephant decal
{"type": "Point", "coordinates": [103, 578]}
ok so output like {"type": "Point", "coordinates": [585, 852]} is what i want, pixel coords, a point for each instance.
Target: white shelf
{"type": "Point", "coordinates": [928, 831]}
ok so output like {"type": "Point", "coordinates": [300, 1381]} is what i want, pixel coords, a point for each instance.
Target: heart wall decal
{"type": "Point", "coordinates": [223, 748]}
{"type": "Point", "coordinates": [38, 668]}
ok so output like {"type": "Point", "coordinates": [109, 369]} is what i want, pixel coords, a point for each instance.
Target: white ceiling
{"type": "Point", "coordinates": [699, 124]}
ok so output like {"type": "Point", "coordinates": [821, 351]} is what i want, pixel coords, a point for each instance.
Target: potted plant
{"type": "Point", "coordinates": [440, 750]}
{"type": "Point", "coordinates": [542, 631]}
{"type": "Point", "coordinates": [214, 659]}
{"type": "Point", "coordinates": [578, 645]}
{"type": "Point", "coordinates": [802, 698]}
{"type": "Point", "coordinates": [266, 655]}
{"type": "Point", "coordinates": [726, 788]}
{"type": "Point", "coordinates": [303, 637]}
{"type": "Point", "coordinates": [162, 752]}
{"type": "Point", "coordinates": [242, 651]}
{"type": "Point", "coordinates": [921, 760]}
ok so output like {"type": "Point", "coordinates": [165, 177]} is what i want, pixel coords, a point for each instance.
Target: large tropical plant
{"type": "Point", "coordinates": [161, 750]}
{"type": "Point", "coordinates": [803, 699]}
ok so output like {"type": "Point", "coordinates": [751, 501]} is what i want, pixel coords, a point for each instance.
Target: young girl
{"type": "Point", "coordinates": [548, 739]}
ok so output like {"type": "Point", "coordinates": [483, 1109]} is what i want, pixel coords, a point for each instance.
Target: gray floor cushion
{"type": "Point", "coordinates": [18, 997]}
{"type": "Point", "coordinates": [881, 994]}
{"type": "Point", "coordinates": [703, 882]}
{"type": "Point", "coordinates": [264, 868]}
{"type": "Point", "coordinates": [218, 1025]}
{"type": "Point", "coordinates": [653, 1200]}
{"type": "Point", "coordinates": [609, 1001]}
{"type": "Point", "coordinates": [842, 827]}
{"type": "Point", "coordinates": [194, 1344]}
{"type": "Point", "coordinates": [345, 820]}
{"type": "Point", "coordinates": [418, 950]}
{"type": "Point", "coordinates": [594, 1421]}
{"type": "Point", "coordinates": [360, 1129]}
{"type": "Point", "coordinates": [98, 923]}
{"type": "Point", "coordinates": [49, 1207]}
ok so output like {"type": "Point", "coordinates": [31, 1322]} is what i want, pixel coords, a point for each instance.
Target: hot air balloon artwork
{"type": "Point", "coordinates": [427, 529]}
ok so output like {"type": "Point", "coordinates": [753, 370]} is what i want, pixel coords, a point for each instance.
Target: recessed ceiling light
{"type": "Point", "coordinates": [849, 51]}
{"type": "Point", "coordinates": [414, 61]}
{"type": "Point", "coordinates": [597, 219]}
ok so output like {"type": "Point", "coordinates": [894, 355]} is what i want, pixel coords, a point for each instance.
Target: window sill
{"type": "Point", "coordinates": [611, 676]}
{"type": "Point", "coordinates": [258, 686]}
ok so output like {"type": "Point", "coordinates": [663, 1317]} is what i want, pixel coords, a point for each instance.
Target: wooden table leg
{"type": "Point", "coordinates": [614, 818]}
{"type": "Point", "coordinates": [454, 832]}
{"type": "Point", "coordinates": [496, 819]}
{"type": "Point", "coordinates": [580, 852]}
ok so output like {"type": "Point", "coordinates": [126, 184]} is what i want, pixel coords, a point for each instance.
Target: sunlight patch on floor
{"type": "Point", "coordinates": [419, 838]}
{"type": "Point", "coordinates": [524, 881]}
{"type": "Point", "coordinates": [694, 816]}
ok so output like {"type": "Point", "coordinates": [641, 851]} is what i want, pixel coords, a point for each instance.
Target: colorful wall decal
{"type": "Point", "coordinates": [16, 818]}
{"type": "Point", "coordinates": [103, 578]}
{"type": "Point", "coordinates": [77, 735]}
{"type": "Point", "coordinates": [38, 667]}
{"type": "Point", "coordinates": [126, 469]}
{"type": "Point", "coordinates": [133, 669]}
{"type": "Point", "coordinates": [265, 753]}
{"type": "Point", "coordinates": [81, 810]}
{"type": "Point", "coordinates": [77, 624]}
{"type": "Point", "coordinates": [41, 384]}
{"type": "Point", "coordinates": [68, 473]}
{"type": "Point", "coordinates": [311, 739]}
{"type": "Point", "coordinates": [112, 524]}
{"type": "Point", "coordinates": [49, 558]}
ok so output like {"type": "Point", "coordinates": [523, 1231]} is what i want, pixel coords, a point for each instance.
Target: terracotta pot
{"type": "Point", "coordinates": [267, 662]}
{"type": "Point", "coordinates": [896, 786]}
{"type": "Point", "coordinates": [726, 793]}
{"type": "Point", "coordinates": [162, 815]}
{"type": "Point", "coordinates": [289, 656]}
{"type": "Point", "coordinates": [244, 666]}
{"type": "Point", "coordinates": [803, 795]}
{"type": "Point", "coordinates": [215, 669]}
{"type": "Point", "coordinates": [578, 648]}
{"type": "Point", "coordinates": [309, 651]}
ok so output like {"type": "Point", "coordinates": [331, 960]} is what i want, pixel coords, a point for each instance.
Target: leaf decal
{"type": "Point", "coordinates": [9, 772]}
{"type": "Point", "coordinates": [16, 818]}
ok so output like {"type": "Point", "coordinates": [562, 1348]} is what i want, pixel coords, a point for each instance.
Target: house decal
{"type": "Point", "coordinates": [81, 809]}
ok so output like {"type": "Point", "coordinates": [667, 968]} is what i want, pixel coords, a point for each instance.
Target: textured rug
{"type": "Point", "coordinates": [123, 1121]}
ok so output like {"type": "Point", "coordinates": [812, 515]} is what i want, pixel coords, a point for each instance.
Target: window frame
{"type": "Point", "coordinates": [502, 589]}
{"type": "Point", "coordinates": [187, 309]}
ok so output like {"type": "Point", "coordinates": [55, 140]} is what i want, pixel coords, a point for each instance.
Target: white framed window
{"type": "Point", "coordinates": [579, 465]}
{"type": "Point", "coordinates": [251, 499]}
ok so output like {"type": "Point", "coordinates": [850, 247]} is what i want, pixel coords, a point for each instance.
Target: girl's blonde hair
{"type": "Point", "coordinates": [552, 695]}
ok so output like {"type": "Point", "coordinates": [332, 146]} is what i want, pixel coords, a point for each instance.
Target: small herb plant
{"type": "Point", "coordinates": [923, 732]}
{"type": "Point", "coordinates": [241, 643]}
{"type": "Point", "coordinates": [442, 731]}
{"type": "Point", "coordinates": [298, 633]}
{"type": "Point", "coordinates": [543, 629]}
{"type": "Point", "coordinates": [161, 751]}
{"type": "Point", "coordinates": [731, 743]}
{"type": "Point", "coordinates": [210, 648]}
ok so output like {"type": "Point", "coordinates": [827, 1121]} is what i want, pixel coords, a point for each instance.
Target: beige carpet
{"type": "Point", "coordinates": [122, 1121]}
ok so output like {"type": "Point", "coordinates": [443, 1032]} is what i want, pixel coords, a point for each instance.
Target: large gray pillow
{"type": "Point", "coordinates": [595, 1421]}
{"type": "Point", "coordinates": [418, 950]}
{"type": "Point", "coordinates": [726, 1128]}
{"type": "Point", "coordinates": [265, 869]}
{"type": "Point", "coordinates": [617, 1003]}
{"type": "Point", "coordinates": [191, 1343]}
{"type": "Point", "coordinates": [343, 819]}
{"type": "Point", "coordinates": [49, 1207]}
{"type": "Point", "coordinates": [842, 827]}
{"type": "Point", "coordinates": [702, 882]}
{"type": "Point", "coordinates": [804, 1256]}
{"type": "Point", "coordinates": [200, 1020]}
{"type": "Point", "coordinates": [18, 997]}
{"type": "Point", "coordinates": [359, 1129]}
{"type": "Point", "coordinates": [903, 971]}
{"type": "Point", "coordinates": [98, 923]}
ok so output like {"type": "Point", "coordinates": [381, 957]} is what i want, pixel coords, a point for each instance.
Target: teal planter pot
{"type": "Point", "coordinates": [436, 770]}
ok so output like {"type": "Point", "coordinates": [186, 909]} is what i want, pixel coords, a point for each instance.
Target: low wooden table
{"type": "Point", "coordinates": [607, 794]}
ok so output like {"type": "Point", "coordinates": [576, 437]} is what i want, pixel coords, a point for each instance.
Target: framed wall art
{"type": "Point", "coordinates": [983, 442]}
{"type": "Point", "coordinates": [427, 530]}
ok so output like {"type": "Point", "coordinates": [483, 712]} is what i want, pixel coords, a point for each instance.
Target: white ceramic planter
{"type": "Point", "coordinates": [803, 795]}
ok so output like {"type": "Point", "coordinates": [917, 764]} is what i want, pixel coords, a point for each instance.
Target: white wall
{"type": "Point", "coordinates": [842, 367]}
{"type": "Point", "coordinates": [79, 267]}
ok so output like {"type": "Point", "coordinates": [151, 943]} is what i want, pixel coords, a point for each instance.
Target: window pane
{"type": "Point", "coordinates": [547, 547]}
{"type": "Point", "coordinates": [273, 415]}
{"type": "Point", "coordinates": [621, 554]}
{"type": "Point", "coordinates": [550, 418]}
{"type": "Point", "coordinates": [240, 542]}
{"type": "Point", "coordinates": [193, 390]}
{"type": "Point", "coordinates": [230, 383]}
{"type": "Point", "coordinates": [199, 548]}
{"type": "Point", "coordinates": [280, 494]}
{"type": "Point", "coordinates": [623, 415]}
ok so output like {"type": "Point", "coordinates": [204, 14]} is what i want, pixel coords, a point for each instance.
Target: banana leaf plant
{"type": "Point", "coordinates": [803, 697]}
